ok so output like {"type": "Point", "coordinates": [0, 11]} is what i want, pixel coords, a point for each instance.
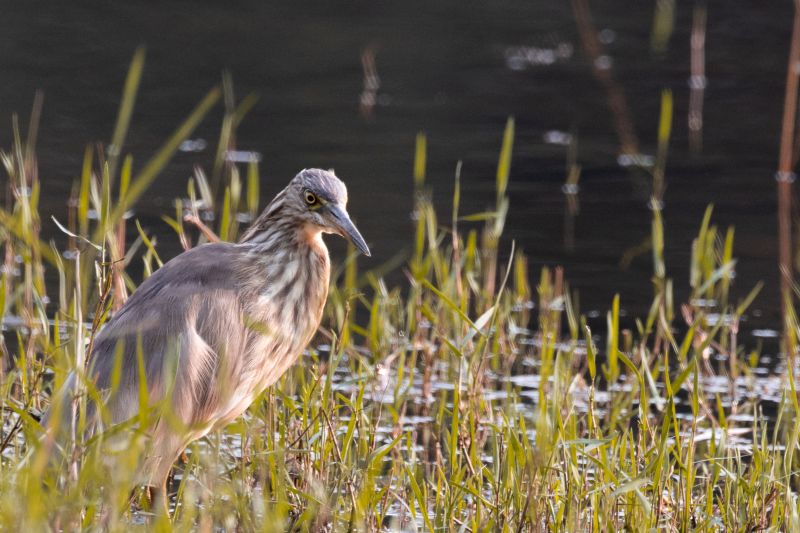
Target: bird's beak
{"type": "Point", "coordinates": [346, 228]}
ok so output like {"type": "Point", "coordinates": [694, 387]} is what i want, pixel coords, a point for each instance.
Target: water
{"type": "Point", "coordinates": [454, 70]}
{"type": "Point", "coordinates": [739, 398]}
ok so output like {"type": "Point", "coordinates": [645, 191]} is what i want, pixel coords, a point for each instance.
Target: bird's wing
{"type": "Point", "coordinates": [158, 331]}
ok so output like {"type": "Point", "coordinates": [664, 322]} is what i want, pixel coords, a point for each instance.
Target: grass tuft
{"type": "Point", "coordinates": [468, 399]}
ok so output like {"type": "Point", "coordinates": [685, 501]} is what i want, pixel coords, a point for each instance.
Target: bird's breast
{"type": "Point", "coordinates": [287, 310]}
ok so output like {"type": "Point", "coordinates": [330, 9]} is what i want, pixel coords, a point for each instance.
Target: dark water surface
{"type": "Point", "coordinates": [455, 70]}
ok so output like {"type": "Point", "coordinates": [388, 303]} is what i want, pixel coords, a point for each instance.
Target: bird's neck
{"type": "Point", "coordinates": [311, 236]}
{"type": "Point", "coordinates": [290, 261]}
{"type": "Point", "coordinates": [278, 240]}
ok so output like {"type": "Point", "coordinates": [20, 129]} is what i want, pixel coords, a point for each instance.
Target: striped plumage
{"type": "Point", "coordinates": [221, 322]}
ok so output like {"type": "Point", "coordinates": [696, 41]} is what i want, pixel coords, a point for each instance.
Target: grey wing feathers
{"type": "Point", "coordinates": [165, 327]}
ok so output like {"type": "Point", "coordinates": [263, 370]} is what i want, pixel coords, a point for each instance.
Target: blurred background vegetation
{"type": "Point", "coordinates": [556, 331]}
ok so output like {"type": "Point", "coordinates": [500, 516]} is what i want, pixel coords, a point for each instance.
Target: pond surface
{"type": "Point", "coordinates": [455, 70]}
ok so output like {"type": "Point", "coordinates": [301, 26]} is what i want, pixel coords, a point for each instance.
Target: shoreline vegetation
{"type": "Point", "coordinates": [468, 399]}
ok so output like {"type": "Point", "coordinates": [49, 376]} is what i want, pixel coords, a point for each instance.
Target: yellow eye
{"type": "Point", "coordinates": [310, 198]}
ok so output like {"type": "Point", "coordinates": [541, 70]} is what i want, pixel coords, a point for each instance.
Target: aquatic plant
{"type": "Point", "coordinates": [467, 399]}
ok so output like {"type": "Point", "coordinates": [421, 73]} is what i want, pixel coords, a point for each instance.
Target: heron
{"type": "Point", "coordinates": [217, 325]}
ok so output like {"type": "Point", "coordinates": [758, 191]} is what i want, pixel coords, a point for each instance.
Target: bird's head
{"type": "Point", "coordinates": [320, 200]}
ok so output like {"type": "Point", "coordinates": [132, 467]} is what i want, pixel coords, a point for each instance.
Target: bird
{"type": "Point", "coordinates": [218, 324]}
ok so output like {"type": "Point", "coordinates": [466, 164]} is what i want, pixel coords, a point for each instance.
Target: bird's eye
{"type": "Point", "coordinates": [311, 199]}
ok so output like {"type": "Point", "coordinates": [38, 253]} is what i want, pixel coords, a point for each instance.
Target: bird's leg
{"type": "Point", "coordinates": [152, 498]}
{"type": "Point", "coordinates": [159, 501]}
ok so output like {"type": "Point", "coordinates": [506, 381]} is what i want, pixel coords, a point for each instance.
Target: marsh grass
{"type": "Point", "coordinates": [468, 399]}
